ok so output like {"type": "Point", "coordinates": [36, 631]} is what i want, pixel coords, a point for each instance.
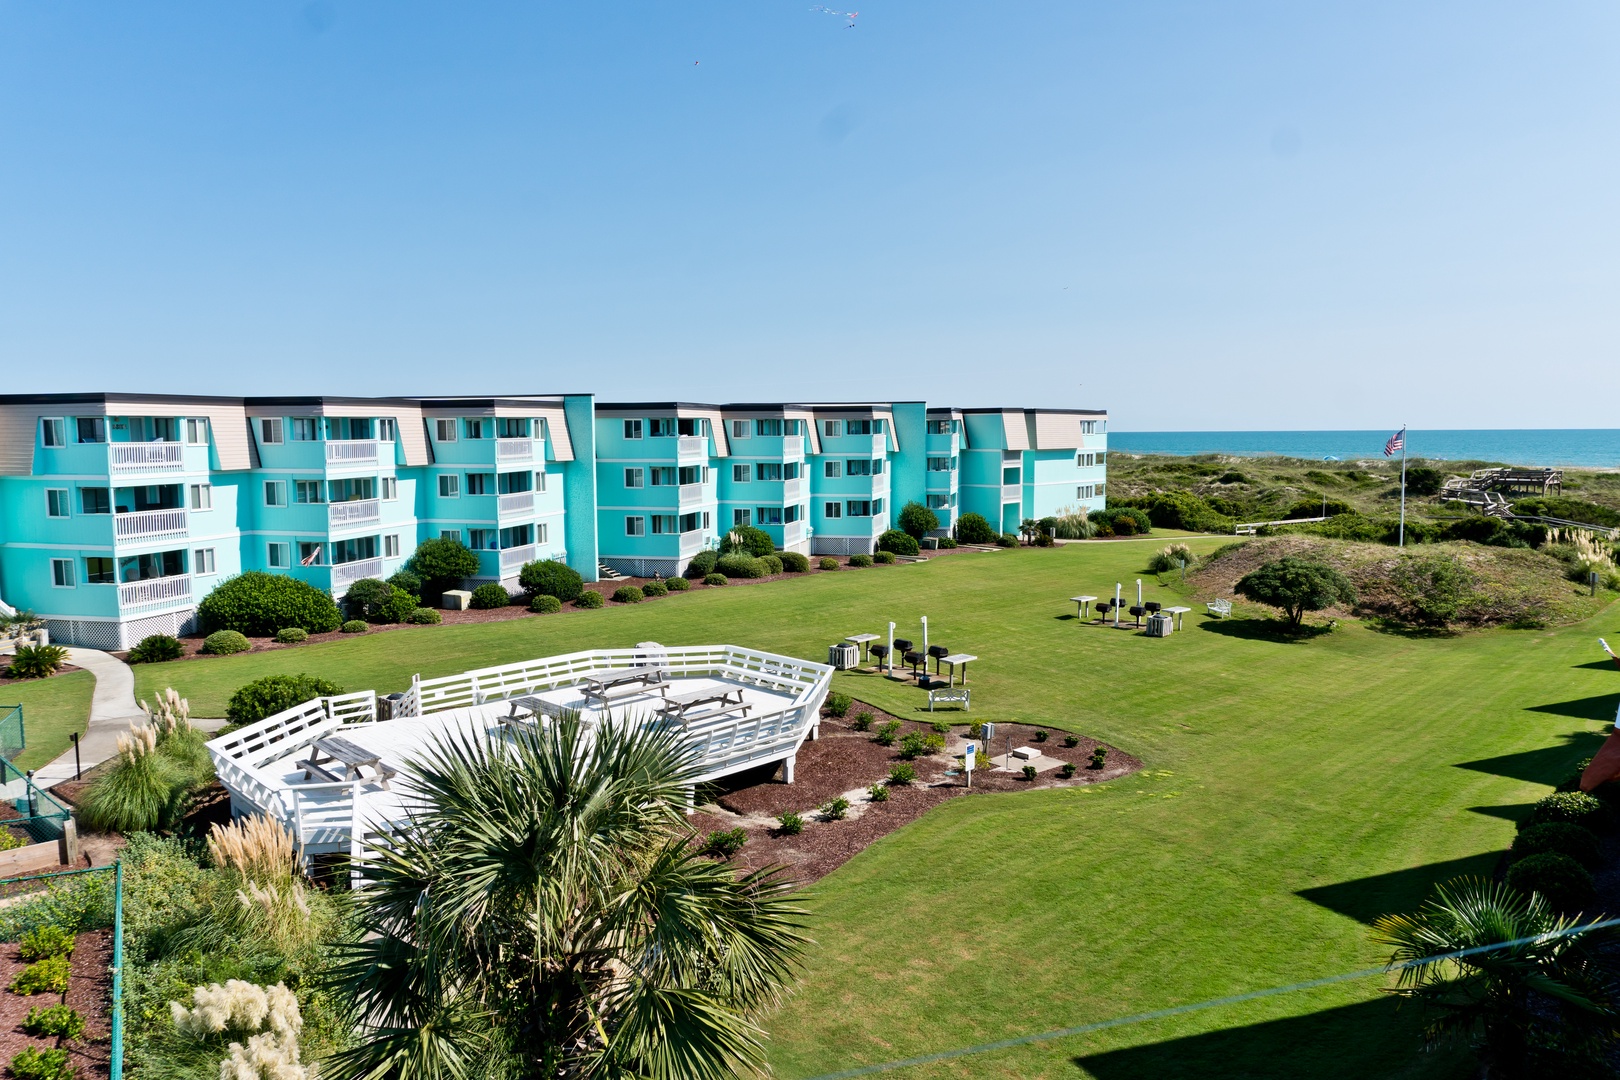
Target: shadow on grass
{"type": "Point", "coordinates": [1353, 1042]}
{"type": "Point", "coordinates": [1596, 707]}
{"type": "Point", "coordinates": [1365, 899]}
{"type": "Point", "coordinates": [1550, 765]}
{"type": "Point", "coordinates": [1405, 630]}
{"type": "Point", "coordinates": [1264, 630]}
{"type": "Point", "coordinates": [1597, 665]}
{"type": "Point", "coordinates": [1515, 812]}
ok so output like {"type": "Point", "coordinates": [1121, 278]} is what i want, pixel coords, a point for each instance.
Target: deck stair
{"type": "Point", "coordinates": [604, 572]}
{"type": "Point", "coordinates": [1475, 488]}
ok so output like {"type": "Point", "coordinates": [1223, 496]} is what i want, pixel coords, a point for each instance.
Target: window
{"type": "Point", "coordinates": [62, 573]}
{"type": "Point", "coordinates": [877, 466]}
{"type": "Point", "coordinates": [832, 428]}
{"type": "Point", "coordinates": [740, 474]}
{"type": "Point", "coordinates": [632, 429]}
{"type": "Point", "coordinates": [391, 546]}
{"type": "Point", "coordinates": [202, 561]}
{"type": "Point", "coordinates": [479, 483]}
{"type": "Point", "coordinates": [1013, 475]}
{"type": "Point", "coordinates": [792, 427]}
{"type": "Point", "coordinates": [1084, 491]}
{"type": "Point", "coordinates": [305, 429]}
{"type": "Point", "coordinates": [1101, 459]}
{"type": "Point", "coordinates": [634, 478]}
{"type": "Point", "coordinates": [834, 469]}
{"type": "Point", "coordinates": [858, 467]}
{"type": "Point", "coordinates": [196, 431]}
{"type": "Point", "coordinates": [311, 554]}
{"type": "Point", "coordinates": [483, 539]}
{"type": "Point", "coordinates": [663, 523]}
{"type": "Point", "coordinates": [939, 502]}
{"type": "Point", "coordinates": [390, 488]}
{"type": "Point", "coordinates": [91, 429]}
{"type": "Point", "coordinates": [663, 476]}
{"type": "Point", "coordinates": [740, 429]}
{"type": "Point", "coordinates": [693, 522]}
{"type": "Point", "coordinates": [51, 431]}
{"type": "Point", "coordinates": [307, 491]}
{"type": "Point", "coordinates": [1100, 490]}
{"type": "Point", "coordinates": [449, 486]}
{"type": "Point", "coordinates": [540, 533]}
{"type": "Point", "coordinates": [1088, 427]}
{"type": "Point", "coordinates": [769, 515]}
{"type": "Point", "coordinates": [387, 429]}
{"type": "Point", "coordinates": [877, 507]}
{"type": "Point", "coordinates": [693, 426]}
{"type": "Point", "coordinates": [275, 493]}
{"type": "Point", "coordinates": [790, 471]}
{"type": "Point", "coordinates": [693, 474]}
{"type": "Point", "coordinates": [95, 501]}
{"type": "Point", "coordinates": [516, 536]}
{"type": "Point", "coordinates": [540, 481]}
{"type": "Point", "coordinates": [939, 427]}
{"type": "Point", "coordinates": [270, 430]}
{"type": "Point", "coordinates": [278, 556]}
{"type": "Point", "coordinates": [444, 430]}
{"type": "Point", "coordinates": [858, 427]}
{"type": "Point", "coordinates": [99, 571]}
{"type": "Point", "coordinates": [56, 502]}
{"type": "Point", "coordinates": [768, 470]}
{"type": "Point", "coordinates": [790, 514]}
{"type": "Point", "coordinates": [202, 496]}
{"type": "Point", "coordinates": [833, 510]}
{"type": "Point", "coordinates": [858, 508]}
{"type": "Point", "coordinates": [512, 427]}
{"type": "Point", "coordinates": [940, 464]}
{"type": "Point", "coordinates": [450, 534]}
{"type": "Point", "coordinates": [742, 517]}
{"type": "Point", "coordinates": [635, 526]}
{"type": "Point", "coordinates": [663, 427]}
{"type": "Point", "coordinates": [479, 428]}
{"type": "Point", "coordinates": [768, 428]}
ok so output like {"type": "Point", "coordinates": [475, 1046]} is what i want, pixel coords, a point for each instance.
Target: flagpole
{"type": "Point", "coordinates": [1402, 542]}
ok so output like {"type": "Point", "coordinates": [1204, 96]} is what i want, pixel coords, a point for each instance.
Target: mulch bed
{"type": "Point", "coordinates": [844, 761]}
{"type": "Point", "coordinates": [8, 812]}
{"type": "Point", "coordinates": [89, 991]}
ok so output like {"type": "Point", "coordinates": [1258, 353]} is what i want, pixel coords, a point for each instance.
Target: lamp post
{"type": "Point", "coordinates": [889, 659]}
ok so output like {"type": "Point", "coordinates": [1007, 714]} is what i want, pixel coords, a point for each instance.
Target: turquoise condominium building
{"type": "Point", "coordinates": [119, 512]}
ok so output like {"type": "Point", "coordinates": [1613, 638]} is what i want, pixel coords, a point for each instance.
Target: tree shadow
{"type": "Point", "coordinates": [1264, 630]}
{"type": "Point", "coordinates": [1550, 765]}
{"type": "Point", "coordinates": [1405, 630]}
{"type": "Point", "coordinates": [1365, 899]}
{"type": "Point", "coordinates": [1596, 707]}
{"type": "Point", "coordinates": [1514, 812]}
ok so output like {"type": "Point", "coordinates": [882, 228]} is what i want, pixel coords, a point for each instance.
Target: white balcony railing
{"type": "Point", "coordinates": [154, 593]}
{"type": "Point", "coordinates": [518, 502]}
{"type": "Point", "coordinates": [346, 574]}
{"type": "Point", "coordinates": [514, 449]}
{"type": "Point", "coordinates": [350, 451]}
{"type": "Point", "coordinates": [150, 524]}
{"type": "Point", "coordinates": [691, 496]}
{"type": "Point", "coordinates": [354, 512]}
{"type": "Point", "coordinates": [512, 559]}
{"type": "Point", "coordinates": [1012, 493]}
{"type": "Point", "coordinates": [792, 491]}
{"type": "Point", "coordinates": [125, 458]}
{"type": "Point", "coordinates": [690, 446]}
{"type": "Point", "coordinates": [792, 533]}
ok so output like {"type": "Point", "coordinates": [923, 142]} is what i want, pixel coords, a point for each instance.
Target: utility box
{"type": "Point", "coordinates": [843, 656]}
{"type": "Point", "coordinates": [1159, 626]}
{"type": "Point", "coordinates": [457, 599]}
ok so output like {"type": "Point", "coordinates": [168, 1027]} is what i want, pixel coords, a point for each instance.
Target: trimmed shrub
{"type": "Point", "coordinates": [259, 604]}
{"type": "Point", "coordinates": [441, 563]}
{"type": "Point", "coordinates": [916, 744]}
{"type": "Point", "coordinates": [1066, 770]}
{"type": "Point", "coordinates": [738, 565]}
{"type": "Point", "coordinates": [793, 562]}
{"type": "Point", "coordinates": [724, 844]}
{"type": "Point", "coordinates": [37, 661]}
{"type": "Point", "coordinates": [398, 607]}
{"type": "Point", "coordinates": [678, 584]}
{"type": "Point", "coordinates": [45, 941]}
{"type": "Point", "coordinates": [548, 577]}
{"type": "Point", "coordinates": [903, 773]}
{"type": "Point", "coordinates": [225, 642]}
{"type": "Point", "coordinates": [292, 635]}
{"type": "Point", "coordinates": [655, 588]}
{"type": "Point", "coordinates": [975, 731]}
{"type": "Point", "coordinates": [941, 727]}
{"type": "Point", "coordinates": [772, 564]}
{"type": "Point", "coordinates": [54, 1022]}
{"type": "Point", "coordinates": [861, 721]}
{"type": "Point", "coordinates": [424, 616]}
{"type": "Point", "coordinates": [1071, 741]}
{"type": "Point", "coordinates": [1565, 883]}
{"type": "Point", "coordinates": [155, 649]}
{"type": "Point", "coordinates": [789, 824]}
{"type": "Point", "coordinates": [702, 564]}
{"type": "Point", "coordinates": [628, 594]}
{"type": "Point", "coordinates": [1007, 540]}
{"type": "Point", "coordinates": [1029, 772]}
{"type": "Point", "coordinates": [901, 543]}
{"type": "Point", "coordinates": [974, 529]}
{"type": "Point", "coordinates": [828, 564]}
{"type": "Point", "coordinates": [860, 560]}
{"type": "Point", "coordinates": [355, 626]}
{"type": "Point", "coordinates": [917, 521]}
{"type": "Point", "coordinates": [1574, 807]}
{"type": "Point", "coordinates": [714, 579]}
{"type": "Point", "coordinates": [366, 597]}
{"type": "Point", "coordinates": [32, 1063]}
{"type": "Point", "coordinates": [589, 599]}
{"type": "Point", "coordinates": [1099, 758]}
{"type": "Point", "coordinates": [489, 596]}
{"type": "Point", "coordinates": [545, 605]}
{"type": "Point", "coordinates": [1562, 838]}
{"type": "Point", "coordinates": [1042, 736]}
{"type": "Point", "coordinates": [408, 581]}
{"type": "Point", "coordinates": [835, 808]}
{"type": "Point", "coordinates": [748, 540]}
{"type": "Point", "coordinates": [946, 543]}
{"type": "Point", "coordinates": [884, 557]}
{"type": "Point", "coordinates": [887, 733]}
{"type": "Point", "coordinates": [878, 793]}
{"type": "Point", "coordinates": [838, 704]}
{"type": "Point", "coordinates": [274, 693]}
{"type": "Point", "coordinates": [49, 975]}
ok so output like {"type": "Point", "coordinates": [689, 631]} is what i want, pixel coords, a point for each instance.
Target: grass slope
{"type": "Point", "coordinates": [1294, 791]}
{"type": "Point", "coordinates": [53, 709]}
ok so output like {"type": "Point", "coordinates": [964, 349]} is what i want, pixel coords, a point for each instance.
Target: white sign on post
{"type": "Point", "coordinates": [967, 758]}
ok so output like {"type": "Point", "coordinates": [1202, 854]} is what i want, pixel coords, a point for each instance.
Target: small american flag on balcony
{"type": "Point", "coordinates": [1396, 443]}
{"type": "Point", "coordinates": [312, 558]}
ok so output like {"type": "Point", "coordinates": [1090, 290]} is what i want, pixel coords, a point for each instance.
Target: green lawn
{"type": "Point", "coordinates": [53, 709]}
{"type": "Point", "coordinates": [1293, 792]}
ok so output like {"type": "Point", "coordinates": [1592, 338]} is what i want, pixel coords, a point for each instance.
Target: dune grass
{"type": "Point", "coordinates": [53, 709]}
{"type": "Point", "coordinates": [1294, 790]}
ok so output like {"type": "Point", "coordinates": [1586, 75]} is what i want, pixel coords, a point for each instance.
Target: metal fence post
{"type": "Point", "coordinates": [116, 1057]}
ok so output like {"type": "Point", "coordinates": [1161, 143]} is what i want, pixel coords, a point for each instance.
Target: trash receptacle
{"type": "Point", "coordinates": [843, 656]}
{"type": "Point", "coordinates": [388, 705]}
{"type": "Point", "coordinates": [1159, 626]}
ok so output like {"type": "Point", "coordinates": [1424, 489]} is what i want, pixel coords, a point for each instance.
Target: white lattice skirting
{"type": "Point", "coordinates": [647, 567]}
{"type": "Point", "coordinates": [842, 545]}
{"type": "Point", "coordinates": [113, 635]}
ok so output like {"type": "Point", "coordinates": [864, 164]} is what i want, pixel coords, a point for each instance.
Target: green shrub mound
{"type": "Point", "coordinates": [878, 793]}
{"type": "Point", "coordinates": [838, 704]}
{"type": "Point", "coordinates": [407, 581]}
{"type": "Point", "coordinates": [155, 649]}
{"type": "Point", "coordinates": [54, 1022]}
{"type": "Point", "coordinates": [276, 693]}
{"type": "Point", "coordinates": [258, 604]}
{"type": "Point", "coordinates": [724, 844]}
{"type": "Point", "coordinates": [588, 599]}
{"type": "Point", "coordinates": [835, 808]}
{"type": "Point", "coordinates": [789, 824]}
{"type": "Point", "coordinates": [898, 542]}
{"type": "Point", "coordinates": [860, 560]}
{"type": "Point", "coordinates": [628, 594]}
{"type": "Point", "coordinates": [771, 563]}
{"type": "Point", "coordinates": [884, 558]}
{"type": "Point", "coordinates": [366, 597]}
{"type": "Point", "coordinates": [946, 543]}
{"type": "Point", "coordinates": [748, 540]}
{"type": "Point", "coordinates": [1565, 883]}
{"type": "Point", "coordinates": [225, 643]}
{"type": "Point", "coordinates": [1574, 807]}
{"type": "Point", "coordinates": [1029, 772]}
{"type": "Point", "coordinates": [355, 626]}
{"type": "Point", "coordinates": [678, 584]}
{"type": "Point", "coordinates": [738, 565]}
{"type": "Point", "coordinates": [1007, 540]}
{"type": "Point", "coordinates": [1562, 838]}
{"type": "Point", "coordinates": [793, 562]}
{"type": "Point", "coordinates": [974, 529]}
{"type": "Point", "coordinates": [714, 579]}
{"type": "Point", "coordinates": [424, 616]}
{"type": "Point", "coordinates": [887, 732]}
{"type": "Point", "coordinates": [916, 744]}
{"type": "Point", "coordinates": [654, 588]}
{"type": "Point", "coordinates": [828, 564]}
{"type": "Point", "coordinates": [441, 563]}
{"type": "Point", "coordinates": [903, 773]}
{"type": "Point", "coordinates": [292, 635]}
{"type": "Point", "coordinates": [45, 941]}
{"type": "Point", "coordinates": [1296, 585]}
{"type": "Point", "coordinates": [489, 596]}
{"type": "Point", "coordinates": [861, 721]}
{"type": "Point", "coordinates": [37, 661]}
{"type": "Point", "coordinates": [702, 564]}
{"type": "Point", "coordinates": [551, 578]}
{"type": "Point", "coordinates": [545, 605]}
{"type": "Point", "coordinates": [1066, 770]}
{"type": "Point", "coordinates": [916, 521]}
{"type": "Point", "coordinates": [49, 975]}
{"type": "Point", "coordinates": [32, 1063]}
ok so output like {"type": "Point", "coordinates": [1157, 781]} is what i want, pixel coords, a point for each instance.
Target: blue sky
{"type": "Point", "coordinates": [1196, 215]}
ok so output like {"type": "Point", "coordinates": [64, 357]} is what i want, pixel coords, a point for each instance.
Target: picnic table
{"type": "Point", "coordinates": [527, 707]}
{"type": "Point", "coordinates": [864, 641]}
{"type": "Point", "coordinates": [353, 758]}
{"type": "Point", "coordinates": [681, 706]}
{"type": "Point", "coordinates": [1177, 613]}
{"type": "Point", "coordinates": [1083, 603]}
{"type": "Point", "coordinates": [625, 682]}
{"type": "Point", "coordinates": [956, 660]}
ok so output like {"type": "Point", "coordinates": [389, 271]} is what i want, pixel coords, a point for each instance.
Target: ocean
{"type": "Point", "coordinates": [1592, 448]}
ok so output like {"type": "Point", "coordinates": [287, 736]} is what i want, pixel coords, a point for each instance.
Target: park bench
{"type": "Point", "coordinates": [1220, 608]}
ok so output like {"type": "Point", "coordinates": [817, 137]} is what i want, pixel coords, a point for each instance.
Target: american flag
{"type": "Point", "coordinates": [1397, 443]}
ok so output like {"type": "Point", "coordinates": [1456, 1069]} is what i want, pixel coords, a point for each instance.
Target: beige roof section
{"type": "Point", "coordinates": [557, 434]}
{"type": "Point", "coordinates": [407, 419]}
{"type": "Point", "coordinates": [1056, 431]}
{"type": "Point", "coordinates": [1015, 430]}
{"type": "Point", "coordinates": [19, 427]}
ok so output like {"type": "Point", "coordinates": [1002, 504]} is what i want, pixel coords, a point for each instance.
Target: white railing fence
{"type": "Point", "coordinates": [518, 502]}
{"type": "Point", "coordinates": [512, 559]}
{"type": "Point", "coordinates": [353, 511]}
{"type": "Point", "coordinates": [346, 450]}
{"type": "Point", "coordinates": [138, 457]}
{"type": "Point", "coordinates": [346, 574]}
{"type": "Point", "coordinates": [150, 523]}
{"type": "Point", "coordinates": [514, 449]}
{"type": "Point", "coordinates": [154, 592]}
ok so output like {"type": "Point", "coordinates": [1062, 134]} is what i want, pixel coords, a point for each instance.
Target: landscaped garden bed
{"type": "Point", "coordinates": [88, 994]}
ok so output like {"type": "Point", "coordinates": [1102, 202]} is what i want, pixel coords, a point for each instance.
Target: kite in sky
{"type": "Point", "coordinates": [850, 15]}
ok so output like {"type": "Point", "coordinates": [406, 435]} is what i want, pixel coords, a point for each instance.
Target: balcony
{"type": "Point", "coordinates": [1012, 493]}
{"type": "Point", "coordinates": [351, 451]}
{"type": "Point", "coordinates": [346, 574]}
{"type": "Point", "coordinates": [691, 446]}
{"type": "Point", "coordinates": [792, 533]}
{"type": "Point", "coordinates": [143, 525]}
{"type": "Point", "coordinates": [692, 496]}
{"type": "Point", "coordinates": [514, 449]}
{"type": "Point", "coordinates": [355, 512]}
{"type": "Point", "coordinates": [154, 594]}
{"type": "Point", "coordinates": [792, 491]}
{"type": "Point", "coordinates": [518, 502]}
{"type": "Point", "coordinates": [127, 459]}
{"type": "Point", "coordinates": [512, 559]}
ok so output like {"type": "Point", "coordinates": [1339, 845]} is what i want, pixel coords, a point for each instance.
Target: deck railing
{"type": "Point", "coordinates": [344, 451]}
{"type": "Point", "coordinates": [123, 458]}
{"type": "Point", "coordinates": [518, 502]}
{"type": "Point", "coordinates": [150, 524]}
{"type": "Point", "coordinates": [345, 574]}
{"type": "Point", "coordinates": [134, 596]}
{"type": "Point", "coordinates": [354, 512]}
{"type": "Point", "coordinates": [514, 449]}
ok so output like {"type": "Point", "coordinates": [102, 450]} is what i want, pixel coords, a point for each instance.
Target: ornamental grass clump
{"type": "Point", "coordinates": [158, 766]}
{"type": "Point", "coordinates": [238, 1008]}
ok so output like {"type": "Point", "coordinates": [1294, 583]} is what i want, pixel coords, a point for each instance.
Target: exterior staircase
{"type": "Point", "coordinates": [604, 572]}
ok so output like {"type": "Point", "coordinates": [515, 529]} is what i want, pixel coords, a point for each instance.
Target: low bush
{"type": "Point", "coordinates": [838, 704]}
{"type": "Point", "coordinates": [548, 577]}
{"type": "Point", "coordinates": [258, 604]}
{"type": "Point", "coordinates": [714, 579]}
{"type": "Point", "coordinates": [628, 594]}
{"type": "Point", "coordinates": [441, 563]}
{"type": "Point", "coordinates": [355, 626]}
{"type": "Point", "coordinates": [702, 564]}
{"type": "Point", "coordinates": [860, 560]}
{"type": "Point", "coordinates": [366, 597]}
{"type": "Point", "coordinates": [45, 941]}
{"type": "Point", "coordinates": [940, 727]}
{"type": "Point", "coordinates": [878, 793]}
{"type": "Point", "coordinates": [901, 543]}
{"type": "Point", "coordinates": [37, 661]}
{"type": "Point", "coordinates": [424, 616]}
{"type": "Point", "coordinates": [789, 824]}
{"type": "Point", "coordinates": [946, 543]}
{"type": "Point", "coordinates": [916, 520]}
{"type": "Point", "coordinates": [1099, 757]}
{"type": "Point", "coordinates": [1071, 741]}
{"type": "Point", "coordinates": [54, 1022]}
{"type": "Point", "coordinates": [771, 563]}
{"type": "Point", "coordinates": [828, 564]}
{"type": "Point", "coordinates": [835, 808]}
{"type": "Point", "coordinates": [975, 731]}
{"type": "Point", "coordinates": [793, 562]}
{"type": "Point", "coordinates": [678, 584]}
{"type": "Point", "coordinates": [32, 1063]}
{"type": "Point", "coordinates": [489, 596]}
{"type": "Point", "coordinates": [225, 643]}
{"type": "Point", "coordinates": [724, 844]}
{"type": "Point", "coordinates": [397, 608]}
{"type": "Point", "coordinates": [1043, 540]}
{"type": "Point", "coordinates": [915, 744]}
{"type": "Point", "coordinates": [1042, 736]}
{"type": "Point", "coordinates": [1574, 807]}
{"type": "Point", "coordinates": [1562, 838]}
{"type": "Point", "coordinates": [1565, 883]}
{"type": "Point", "coordinates": [1007, 540]}
{"type": "Point", "coordinates": [292, 635]}
{"type": "Point", "coordinates": [655, 588]}
{"type": "Point", "coordinates": [1170, 558]}
{"type": "Point", "coordinates": [1066, 770]}
{"type": "Point", "coordinates": [974, 529]}
{"type": "Point", "coordinates": [545, 605]}
{"type": "Point", "coordinates": [1029, 772]}
{"type": "Point", "coordinates": [886, 734]}
{"type": "Point", "coordinates": [903, 773]}
{"type": "Point", "coordinates": [155, 649]}
{"type": "Point", "coordinates": [739, 565]}
{"type": "Point", "coordinates": [264, 697]}
{"type": "Point", "coordinates": [861, 721]}
{"type": "Point", "coordinates": [747, 540]}
{"type": "Point", "coordinates": [406, 581]}
{"type": "Point", "coordinates": [588, 599]}
{"type": "Point", "coordinates": [886, 558]}
{"type": "Point", "coordinates": [49, 975]}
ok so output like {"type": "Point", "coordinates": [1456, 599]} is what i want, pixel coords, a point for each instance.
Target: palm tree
{"type": "Point", "coordinates": [1548, 992]}
{"type": "Point", "coordinates": [543, 916]}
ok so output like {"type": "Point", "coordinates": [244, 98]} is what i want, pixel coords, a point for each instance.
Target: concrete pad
{"type": "Point", "coordinates": [1013, 763]}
